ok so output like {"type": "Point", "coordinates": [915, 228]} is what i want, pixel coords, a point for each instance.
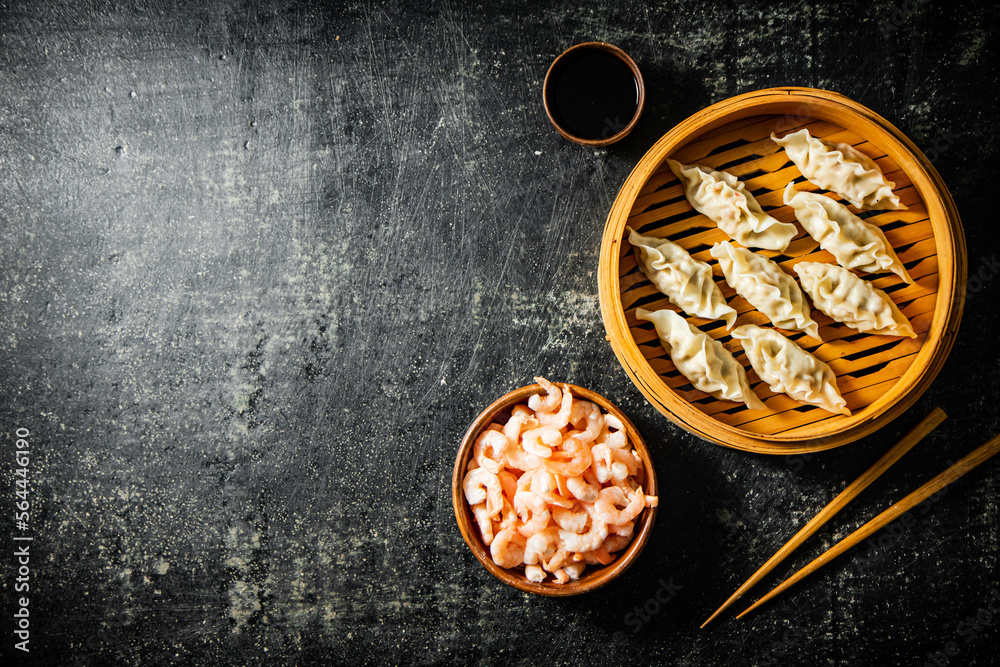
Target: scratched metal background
{"type": "Point", "coordinates": [262, 262]}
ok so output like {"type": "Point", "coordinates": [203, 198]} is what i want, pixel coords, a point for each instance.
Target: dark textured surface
{"type": "Point", "coordinates": [264, 262]}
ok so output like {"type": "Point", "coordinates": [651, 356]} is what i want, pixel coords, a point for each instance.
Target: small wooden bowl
{"type": "Point", "coordinates": [594, 576]}
{"type": "Point", "coordinates": [879, 376]}
{"type": "Point", "coordinates": [564, 58]}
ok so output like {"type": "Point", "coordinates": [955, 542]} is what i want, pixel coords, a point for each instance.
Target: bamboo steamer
{"type": "Point", "coordinates": [879, 376]}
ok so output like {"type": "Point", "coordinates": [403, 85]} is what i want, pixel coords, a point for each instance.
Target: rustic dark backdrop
{"type": "Point", "coordinates": [264, 261]}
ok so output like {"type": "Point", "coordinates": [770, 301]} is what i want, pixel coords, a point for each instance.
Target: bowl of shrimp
{"type": "Point", "coordinates": [554, 490]}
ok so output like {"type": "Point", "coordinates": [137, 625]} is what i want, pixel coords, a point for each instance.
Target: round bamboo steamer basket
{"type": "Point", "coordinates": [879, 376]}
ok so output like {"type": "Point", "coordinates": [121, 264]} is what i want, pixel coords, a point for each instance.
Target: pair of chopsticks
{"type": "Point", "coordinates": [929, 423]}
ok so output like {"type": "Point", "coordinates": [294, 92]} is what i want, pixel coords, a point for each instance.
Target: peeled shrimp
{"type": "Point", "coordinates": [508, 483]}
{"type": "Point", "coordinates": [551, 401]}
{"type": "Point", "coordinates": [540, 441]}
{"type": "Point", "coordinates": [557, 561]}
{"type": "Point", "coordinates": [548, 417]}
{"type": "Point", "coordinates": [521, 419]}
{"type": "Point", "coordinates": [546, 485]}
{"type": "Point", "coordinates": [573, 520]}
{"type": "Point", "coordinates": [521, 460]}
{"type": "Point", "coordinates": [615, 439]}
{"type": "Point", "coordinates": [606, 506]}
{"type": "Point", "coordinates": [541, 546]}
{"type": "Point", "coordinates": [574, 457]}
{"type": "Point", "coordinates": [588, 541]}
{"type": "Point", "coordinates": [508, 516]}
{"type": "Point", "coordinates": [574, 570]}
{"type": "Point", "coordinates": [489, 448]}
{"type": "Point", "coordinates": [622, 530]}
{"type": "Point", "coordinates": [528, 504]}
{"type": "Point", "coordinates": [586, 417]}
{"type": "Point", "coordinates": [481, 485]}
{"type": "Point", "coordinates": [615, 543]}
{"type": "Point", "coordinates": [507, 548]}
{"type": "Point", "coordinates": [602, 555]}
{"type": "Point", "coordinates": [613, 464]}
{"type": "Point", "coordinates": [482, 516]}
{"type": "Point", "coordinates": [585, 486]}
{"type": "Point", "coordinates": [534, 573]}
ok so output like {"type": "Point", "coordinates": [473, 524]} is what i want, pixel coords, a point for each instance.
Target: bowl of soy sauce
{"type": "Point", "coordinates": [594, 94]}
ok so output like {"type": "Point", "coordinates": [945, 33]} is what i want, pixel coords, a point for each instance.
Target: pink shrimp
{"type": "Point", "coordinates": [534, 573]}
{"type": "Point", "coordinates": [541, 545]}
{"type": "Point", "coordinates": [587, 418]}
{"type": "Point", "coordinates": [546, 485]}
{"type": "Point", "coordinates": [585, 486]}
{"type": "Point", "coordinates": [485, 524]}
{"type": "Point", "coordinates": [489, 448]}
{"type": "Point", "coordinates": [615, 543]}
{"type": "Point", "coordinates": [573, 459]}
{"type": "Point", "coordinates": [508, 483]}
{"type": "Point", "coordinates": [518, 459]}
{"type": "Point", "coordinates": [613, 464]}
{"type": "Point", "coordinates": [574, 570]}
{"type": "Point", "coordinates": [602, 555]}
{"type": "Point", "coordinates": [521, 419]}
{"type": "Point", "coordinates": [545, 413]}
{"type": "Point", "coordinates": [615, 439]}
{"type": "Point", "coordinates": [622, 530]}
{"type": "Point", "coordinates": [507, 548]}
{"type": "Point", "coordinates": [583, 542]}
{"type": "Point", "coordinates": [588, 557]}
{"type": "Point", "coordinates": [572, 519]}
{"type": "Point", "coordinates": [606, 506]}
{"type": "Point", "coordinates": [528, 504]}
{"type": "Point", "coordinates": [540, 441]}
{"type": "Point", "coordinates": [601, 462]}
{"type": "Point", "coordinates": [550, 402]}
{"type": "Point", "coordinates": [508, 516]}
{"type": "Point", "coordinates": [481, 485]}
{"type": "Point", "coordinates": [560, 576]}
{"type": "Point", "coordinates": [557, 561]}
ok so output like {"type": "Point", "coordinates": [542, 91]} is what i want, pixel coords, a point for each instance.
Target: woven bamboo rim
{"type": "Point", "coordinates": [880, 376]}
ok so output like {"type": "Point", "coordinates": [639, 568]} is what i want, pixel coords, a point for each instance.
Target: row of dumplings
{"type": "Point", "coordinates": [834, 288]}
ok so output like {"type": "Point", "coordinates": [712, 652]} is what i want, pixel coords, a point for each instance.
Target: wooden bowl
{"type": "Point", "coordinates": [567, 56]}
{"type": "Point", "coordinates": [879, 376]}
{"type": "Point", "coordinates": [594, 576]}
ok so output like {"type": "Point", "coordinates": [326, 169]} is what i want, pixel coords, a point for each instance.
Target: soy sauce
{"type": "Point", "coordinates": [594, 95]}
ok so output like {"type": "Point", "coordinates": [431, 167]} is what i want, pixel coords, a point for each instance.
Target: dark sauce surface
{"type": "Point", "coordinates": [594, 95]}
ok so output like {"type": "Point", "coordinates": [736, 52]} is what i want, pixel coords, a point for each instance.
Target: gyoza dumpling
{"type": "Point", "coordinates": [847, 298]}
{"type": "Point", "coordinates": [855, 243]}
{"type": "Point", "coordinates": [701, 359]}
{"type": "Point", "coordinates": [840, 168]}
{"type": "Point", "coordinates": [789, 369]}
{"type": "Point", "coordinates": [687, 282]}
{"type": "Point", "coordinates": [768, 289]}
{"type": "Point", "coordinates": [724, 199]}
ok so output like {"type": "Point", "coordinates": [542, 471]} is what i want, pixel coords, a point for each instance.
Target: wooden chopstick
{"type": "Point", "coordinates": [979, 455]}
{"type": "Point", "coordinates": [928, 424]}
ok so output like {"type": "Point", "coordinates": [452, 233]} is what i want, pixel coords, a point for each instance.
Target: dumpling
{"type": "Point", "coordinates": [701, 359]}
{"type": "Point", "coordinates": [789, 369]}
{"type": "Point", "coordinates": [724, 199]}
{"type": "Point", "coordinates": [687, 282]}
{"type": "Point", "coordinates": [840, 168]}
{"type": "Point", "coordinates": [855, 243]}
{"type": "Point", "coordinates": [847, 298]}
{"type": "Point", "coordinates": [768, 289]}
